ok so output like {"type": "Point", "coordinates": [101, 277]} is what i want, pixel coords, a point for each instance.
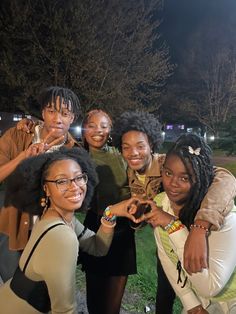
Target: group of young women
{"type": "Point", "coordinates": [192, 220]}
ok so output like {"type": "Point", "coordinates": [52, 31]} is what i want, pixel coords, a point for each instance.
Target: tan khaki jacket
{"type": "Point", "coordinates": [14, 223]}
{"type": "Point", "coordinates": [217, 203]}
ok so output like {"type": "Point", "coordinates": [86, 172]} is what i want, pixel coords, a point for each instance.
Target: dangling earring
{"type": "Point", "coordinates": [44, 202]}
{"type": "Point", "coordinates": [109, 140]}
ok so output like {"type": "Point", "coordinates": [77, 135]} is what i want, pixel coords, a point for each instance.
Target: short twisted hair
{"type": "Point", "coordinates": [24, 188]}
{"type": "Point", "coordinates": [137, 121]}
{"type": "Point", "coordinates": [67, 96]}
{"type": "Point", "coordinates": [199, 164]}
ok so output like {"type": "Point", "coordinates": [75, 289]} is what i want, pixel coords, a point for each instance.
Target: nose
{"type": "Point", "coordinates": [73, 186]}
{"type": "Point", "coordinates": [133, 152]}
{"type": "Point", "coordinates": [174, 181]}
{"type": "Point", "coordinates": [57, 117]}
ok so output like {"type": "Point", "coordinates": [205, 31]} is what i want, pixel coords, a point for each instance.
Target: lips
{"type": "Point", "coordinates": [76, 198]}
{"type": "Point", "coordinates": [134, 161]}
{"type": "Point", "coordinates": [97, 138]}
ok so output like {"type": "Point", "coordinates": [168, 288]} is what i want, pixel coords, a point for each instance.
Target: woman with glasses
{"type": "Point", "coordinates": [53, 186]}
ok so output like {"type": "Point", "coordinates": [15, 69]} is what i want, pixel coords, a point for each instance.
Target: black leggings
{"type": "Point", "coordinates": [165, 294]}
{"type": "Point", "coordinates": [104, 293]}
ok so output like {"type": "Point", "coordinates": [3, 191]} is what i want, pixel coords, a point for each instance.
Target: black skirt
{"type": "Point", "coordinates": [121, 257]}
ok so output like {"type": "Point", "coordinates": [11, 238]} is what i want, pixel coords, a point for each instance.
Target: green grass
{"type": "Point", "coordinates": [141, 288]}
{"type": "Point", "coordinates": [231, 167]}
{"type": "Point", "coordinates": [145, 282]}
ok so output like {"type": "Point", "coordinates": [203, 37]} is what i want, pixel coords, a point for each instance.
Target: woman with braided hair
{"type": "Point", "coordinates": [187, 174]}
{"type": "Point", "coordinates": [138, 136]}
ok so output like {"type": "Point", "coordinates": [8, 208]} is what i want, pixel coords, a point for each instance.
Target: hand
{"type": "Point", "coordinates": [25, 125]}
{"type": "Point", "coordinates": [156, 217]}
{"type": "Point", "coordinates": [195, 251]}
{"type": "Point", "coordinates": [42, 147]}
{"type": "Point", "coordinates": [126, 208]}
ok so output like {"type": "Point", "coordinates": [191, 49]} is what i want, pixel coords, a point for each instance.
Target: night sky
{"type": "Point", "coordinates": [183, 17]}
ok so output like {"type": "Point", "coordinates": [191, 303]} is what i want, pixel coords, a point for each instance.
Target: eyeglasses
{"type": "Point", "coordinates": [64, 184]}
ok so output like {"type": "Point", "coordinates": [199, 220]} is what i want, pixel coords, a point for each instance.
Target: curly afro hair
{"type": "Point", "coordinates": [24, 187]}
{"type": "Point", "coordinates": [137, 121]}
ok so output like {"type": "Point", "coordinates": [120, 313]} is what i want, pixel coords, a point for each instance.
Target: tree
{"type": "Point", "coordinates": [109, 52]}
{"type": "Point", "coordinates": [208, 76]}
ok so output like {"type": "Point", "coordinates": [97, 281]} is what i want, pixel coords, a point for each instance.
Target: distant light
{"type": "Point", "coordinates": [17, 117]}
{"type": "Point", "coordinates": [212, 138]}
{"type": "Point", "coordinates": [78, 129]}
{"type": "Point", "coordinates": [0, 118]}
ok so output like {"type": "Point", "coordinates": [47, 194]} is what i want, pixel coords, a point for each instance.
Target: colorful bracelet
{"type": "Point", "coordinates": [107, 215]}
{"type": "Point", "coordinates": [170, 224]}
{"type": "Point", "coordinates": [174, 226]}
{"type": "Point", "coordinates": [107, 224]}
{"type": "Point", "coordinates": [200, 227]}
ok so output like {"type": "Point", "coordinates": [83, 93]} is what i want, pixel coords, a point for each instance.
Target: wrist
{"type": "Point", "coordinates": [108, 224]}
{"type": "Point", "coordinates": [108, 215]}
{"type": "Point", "coordinates": [204, 223]}
{"type": "Point", "coordinates": [199, 228]}
{"type": "Point", "coordinates": [174, 225]}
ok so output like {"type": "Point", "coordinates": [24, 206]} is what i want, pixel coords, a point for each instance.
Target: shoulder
{"type": "Point", "coordinates": [71, 142]}
{"type": "Point", "coordinates": [159, 158]}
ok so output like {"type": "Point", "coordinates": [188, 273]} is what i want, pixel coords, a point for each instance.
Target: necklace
{"type": "Point", "coordinates": [68, 223]}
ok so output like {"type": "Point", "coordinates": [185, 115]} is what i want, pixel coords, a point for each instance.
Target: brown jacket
{"type": "Point", "coordinates": [217, 203]}
{"type": "Point", "coordinates": [14, 223]}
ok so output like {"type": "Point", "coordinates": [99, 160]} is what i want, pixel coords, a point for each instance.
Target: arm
{"type": "Point", "coordinates": [222, 262]}
{"type": "Point", "coordinates": [219, 199]}
{"type": "Point", "coordinates": [217, 203]}
{"type": "Point", "coordinates": [98, 244]}
{"type": "Point", "coordinates": [15, 147]}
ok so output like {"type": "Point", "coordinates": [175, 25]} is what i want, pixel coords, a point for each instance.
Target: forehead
{"type": "Point", "coordinates": [98, 118]}
{"type": "Point", "coordinates": [175, 163]}
{"type": "Point", "coordinates": [134, 137]}
{"type": "Point", "coordinates": [63, 167]}
{"type": "Point", "coordinates": [59, 104]}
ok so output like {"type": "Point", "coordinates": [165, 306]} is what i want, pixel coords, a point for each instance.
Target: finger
{"type": "Point", "coordinates": [48, 136]}
{"type": "Point", "coordinates": [56, 141]}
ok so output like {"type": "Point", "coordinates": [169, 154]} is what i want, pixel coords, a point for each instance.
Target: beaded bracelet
{"type": "Point", "coordinates": [107, 215]}
{"type": "Point", "coordinates": [110, 225]}
{"type": "Point", "coordinates": [200, 227]}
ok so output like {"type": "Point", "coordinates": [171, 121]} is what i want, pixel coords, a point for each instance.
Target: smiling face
{"type": "Point", "coordinates": [57, 118]}
{"type": "Point", "coordinates": [176, 180]}
{"type": "Point", "coordinates": [136, 150]}
{"type": "Point", "coordinates": [96, 130]}
{"type": "Point", "coordinates": [66, 201]}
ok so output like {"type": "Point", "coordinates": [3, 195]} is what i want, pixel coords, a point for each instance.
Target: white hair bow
{"type": "Point", "coordinates": [194, 151]}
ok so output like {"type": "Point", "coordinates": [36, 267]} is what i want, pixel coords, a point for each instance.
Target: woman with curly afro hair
{"type": "Point", "coordinates": [138, 136]}
{"type": "Point", "coordinates": [53, 186]}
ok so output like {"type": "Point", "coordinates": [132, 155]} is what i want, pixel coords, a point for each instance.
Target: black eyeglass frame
{"type": "Point", "coordinates": [67, 182]}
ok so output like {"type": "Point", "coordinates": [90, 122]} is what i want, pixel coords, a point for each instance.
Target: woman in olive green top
{"type": "Point", "coordinates": [106, 277]}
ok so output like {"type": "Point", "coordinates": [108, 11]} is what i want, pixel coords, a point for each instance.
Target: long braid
{"type": "Point", "coordinates": [198, 164]}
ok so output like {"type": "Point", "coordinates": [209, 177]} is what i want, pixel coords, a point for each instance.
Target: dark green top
{"type": "Point", "coordinates": [113, 184]}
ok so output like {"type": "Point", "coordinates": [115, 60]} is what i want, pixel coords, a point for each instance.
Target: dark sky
{"type": "Point", "coordinates": [183, 17]}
